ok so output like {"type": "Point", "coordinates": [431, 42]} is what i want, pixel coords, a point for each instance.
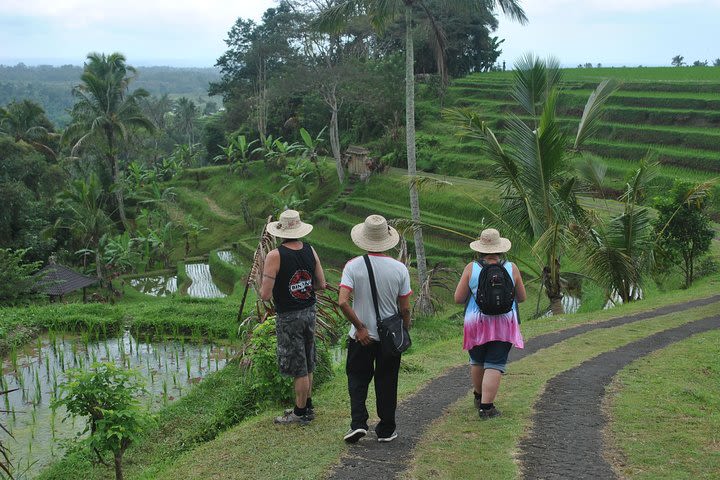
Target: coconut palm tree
{"type": "Point", "coordinates": [185, 114]}
{"type": "Point", "coordinates": [619, 253]}
{"type": "Point", "coordinates": [25, 121]}
{"type": "Point", "coordinates": [381, 14]}
{"type": "Point", "coordinates": [105, 112]}
{"type": "Point", "coordinates": [87, 220]}
{"type": "Point", "coordinates": [535, 169]}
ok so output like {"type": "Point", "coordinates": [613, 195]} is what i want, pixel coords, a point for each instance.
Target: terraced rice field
{"type": "Point", "coordinates": [674, 115]}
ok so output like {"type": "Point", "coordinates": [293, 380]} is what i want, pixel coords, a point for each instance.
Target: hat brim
{"type": "Point", "coordinates": [357, 234]}
{"type": "Point", "coordinates": [290, 233]}
{"type": "Point", "coordinates": [501, 247]}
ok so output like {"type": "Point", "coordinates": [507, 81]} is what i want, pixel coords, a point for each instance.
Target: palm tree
{"type": "Point", "coordinates": [25, 121]}
{"type": "Point", "coordinates": [186, 114]}
{"type": "Point", "coordinates": [535, 169]}
{"type": "Point", "coordinates": [381, 14]}
{"type": "Point", "coordinates": [105, 111]}
{"type": "Point", "coordinates": [88, 221]}
{"type": "Point", "coordinates": [619, 253]}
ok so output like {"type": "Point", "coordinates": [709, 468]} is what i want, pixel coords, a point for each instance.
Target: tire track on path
{"type": "Point", "coordinates": [370, 459]}
{"type": "Point", "coordinates": [567, 436]}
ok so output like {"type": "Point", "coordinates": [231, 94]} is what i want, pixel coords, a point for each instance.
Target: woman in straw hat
{"type": "Point", "coordinates": [488, 338]}
{"type": "Point", "coordinates": [291, 275]}
{"type": "Point", "coordinates": [364, 358]}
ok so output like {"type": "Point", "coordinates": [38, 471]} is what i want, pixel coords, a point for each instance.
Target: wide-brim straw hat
{"type": "Point", "coordinates": [289, 226]}
{"type": "Point", "coordinates": [490, 241]}
{"type": "Point", "coordinates": [374, 234]}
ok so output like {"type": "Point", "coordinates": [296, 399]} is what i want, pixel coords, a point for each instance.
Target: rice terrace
{"type": "Point", "coordinates": [136, 239]}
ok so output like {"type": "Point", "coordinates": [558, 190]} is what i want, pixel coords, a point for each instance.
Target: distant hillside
{"type": "Point", "coordinates": [51, 86]}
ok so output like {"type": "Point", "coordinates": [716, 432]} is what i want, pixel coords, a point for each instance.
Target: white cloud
{"type": "Point", "coordinates": [535, 8]}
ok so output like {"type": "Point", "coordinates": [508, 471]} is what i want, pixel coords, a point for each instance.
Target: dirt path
{"type": "Point", "coordinates": [566, 441]}
{"type": "Point", "coordinates": [370, 459]}
{"type": "Point", "coordinates": [218, 210]}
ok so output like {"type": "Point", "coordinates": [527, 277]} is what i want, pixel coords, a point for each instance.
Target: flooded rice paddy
{"type": "Point", "coordinates": [169, 368]}
{"type": "Point", "coordinates": [202, 285]}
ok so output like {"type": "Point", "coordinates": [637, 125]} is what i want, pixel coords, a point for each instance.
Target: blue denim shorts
{"type": "Point", "coordinates": [492, 355]}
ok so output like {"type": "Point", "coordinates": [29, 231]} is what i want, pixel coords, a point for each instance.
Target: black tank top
{"type": "Point", "coordinates": [293, 289]}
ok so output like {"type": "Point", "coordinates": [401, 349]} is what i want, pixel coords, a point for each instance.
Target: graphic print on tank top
{"type": "Point", "coordinates": [300, 285]}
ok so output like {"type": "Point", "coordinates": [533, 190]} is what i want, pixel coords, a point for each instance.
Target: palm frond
{"type": "Point", "coordinates": [593, 109]}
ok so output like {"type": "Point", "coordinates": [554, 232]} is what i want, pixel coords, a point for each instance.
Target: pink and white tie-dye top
{"type": "Point", "coordinates": [480, 328]}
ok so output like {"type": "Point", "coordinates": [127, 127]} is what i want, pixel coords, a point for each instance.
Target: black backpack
{"type": "Point", "coordinates": [496, 291]}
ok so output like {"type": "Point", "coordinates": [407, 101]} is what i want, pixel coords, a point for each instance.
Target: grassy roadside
{"type": "Point", "coordinates": [459, 445]}
{"type": "Point", "coordinates": [665, 411]}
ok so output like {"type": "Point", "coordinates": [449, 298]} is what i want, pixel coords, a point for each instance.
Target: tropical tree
{"type": "Point", "coordinates": [87, 220]}
{"type": "Point", "coordinates": [683, 229]}
{"type": "Point", "coordinates": [535, 168]}
{"type": "Point", "coordinates": [105, 112]}
{"type": "Point", "coordinates": [678, 61]}
{"type": "Point", "coordinates": [382, 14]}
{"type": "Point", "coordinates": [26, 121]}
{"type": "Point", "coordinates": [185, 115]}
{"type": "Point", "coordinates": [618, 254]}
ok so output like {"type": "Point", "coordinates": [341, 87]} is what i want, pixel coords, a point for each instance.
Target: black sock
{"type": "Point", "coordinates": [477, 395]}
{"type": "Point", "coordinates": [300, 411]}
{"type": "Point", "coordinates": [486, 406]}
{"type": "Point", "coordinates": [309, 404]}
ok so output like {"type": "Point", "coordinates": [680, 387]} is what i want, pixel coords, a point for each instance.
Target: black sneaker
{"type": "Point", "coordinates": [288, 418]}
{"type": "Point", "coordinates": [310, 412]}
{"type": "Point", "coordinates": [489, 413]}
{"type": "Point", "coordinates": [392, 437]}
{"type": "Point", "coordinates": [354, 434]}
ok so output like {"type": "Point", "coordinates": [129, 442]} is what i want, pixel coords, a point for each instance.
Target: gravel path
{"type": "Point", "coordinates": [566, 441]}
{"type": "Point", "coordinates": [370, 459]}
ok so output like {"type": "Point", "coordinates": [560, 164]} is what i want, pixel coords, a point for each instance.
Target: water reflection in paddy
{"type": "Point", "coordinates": [168, 367]}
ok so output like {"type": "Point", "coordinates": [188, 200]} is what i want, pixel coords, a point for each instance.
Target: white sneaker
{"type": "Point", "coordinates": [353, 435]}
{"type": "Point", "coordinates": [388, 439]}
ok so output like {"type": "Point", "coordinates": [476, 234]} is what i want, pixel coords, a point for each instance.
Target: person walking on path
{"type": "Point", "coordinates": [291, 276]}
{"type": "Point", "coordinates": [364, 358]}
{"type": "Point", "coordinates": [487, 337]}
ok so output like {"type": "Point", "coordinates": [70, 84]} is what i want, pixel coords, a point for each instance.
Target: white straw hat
{"type": "Point", "coordinates": [490, 241]}
{"type": "Point", "coordinates": [289, 226]}
{"type": "Point", "coordinates": [374, 234]}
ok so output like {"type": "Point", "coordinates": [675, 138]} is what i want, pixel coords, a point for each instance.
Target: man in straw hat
{"type": "Point", "coordinates": [364, 358]}
{"type": "Point", "coordinates": [291, 275]}
{"type": "Point", "coordinates": [489, 338]}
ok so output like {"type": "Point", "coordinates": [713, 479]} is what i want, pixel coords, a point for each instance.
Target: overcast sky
{"type": "Point", "coordinates": [191, 32]}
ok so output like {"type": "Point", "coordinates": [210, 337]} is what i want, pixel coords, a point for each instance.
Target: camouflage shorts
{"type": "Point", "coordinates": [295, 333]}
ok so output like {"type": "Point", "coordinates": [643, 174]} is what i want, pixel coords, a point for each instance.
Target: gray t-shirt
{"type": "Point", "coordinates": [392, 279]}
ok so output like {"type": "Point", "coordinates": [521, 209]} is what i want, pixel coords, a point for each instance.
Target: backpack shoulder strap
{"type": "Point", "coordinates": [373, 287]}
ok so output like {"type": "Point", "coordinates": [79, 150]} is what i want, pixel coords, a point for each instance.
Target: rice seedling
{"type": "Point", "coordinates": [164, 392]}
{"type": "Point", "coordinates": [188, 366]}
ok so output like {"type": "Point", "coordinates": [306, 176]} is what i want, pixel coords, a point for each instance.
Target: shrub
{"type": "Point", "coordinates": [16, 275]}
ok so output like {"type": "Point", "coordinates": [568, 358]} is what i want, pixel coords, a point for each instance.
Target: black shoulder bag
{"type": "Point", "coordinates": [394, 337]}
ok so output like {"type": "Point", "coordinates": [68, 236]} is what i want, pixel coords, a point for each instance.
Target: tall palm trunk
{"type": "Point", "coordinates": [116, 178]}
{"type": "Point", "coordinates": [424, 306]}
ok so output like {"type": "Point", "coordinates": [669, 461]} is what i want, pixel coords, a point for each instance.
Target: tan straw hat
{"type": "Point", "coordinates": [490, 241]}
{"type": "Point", "coordinates": [289, 226]}
{"type": "Point", "coordinates": [374, 234]}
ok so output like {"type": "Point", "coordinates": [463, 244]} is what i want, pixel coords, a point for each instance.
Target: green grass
{"type": "Point", "coordinates": [459, 444]}
{"type": "Point", "coordinates": [665, 412]}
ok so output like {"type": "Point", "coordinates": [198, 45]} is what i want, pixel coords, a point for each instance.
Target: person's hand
{"type": "Point", "coordinates": [362, 336]}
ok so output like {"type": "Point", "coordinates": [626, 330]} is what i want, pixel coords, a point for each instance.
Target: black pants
{"type": "Point", "coordinates": [364, 363]}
